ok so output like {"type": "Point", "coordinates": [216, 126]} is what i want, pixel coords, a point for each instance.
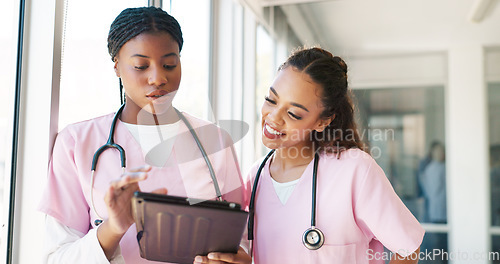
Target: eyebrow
{"type": "Point", "coordinates": [164, 56]}
{"type": "Point", "coordinates": [292, 103]}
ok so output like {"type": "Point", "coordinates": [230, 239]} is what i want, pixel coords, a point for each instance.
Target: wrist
{"type": "Point", "coordinates": [108, 238]}
{"type": "Point", "coordinates": [113, 230]}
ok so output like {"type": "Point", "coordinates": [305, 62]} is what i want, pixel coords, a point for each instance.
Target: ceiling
{"type": "Point", "coordinates": [392, 25]}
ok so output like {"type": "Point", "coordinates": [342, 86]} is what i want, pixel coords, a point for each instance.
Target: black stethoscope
{"type": "Point", "coordinates": [111, 144]}
{"type": "Point", "coordinates": [312, 238]}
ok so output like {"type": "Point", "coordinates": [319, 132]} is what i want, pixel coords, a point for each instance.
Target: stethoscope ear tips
{"type": "Point", "coordinates": [97, 222]}
{"type": "Point", "coordinates": [313, 238]}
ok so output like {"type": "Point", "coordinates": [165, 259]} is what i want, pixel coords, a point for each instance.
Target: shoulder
{"type": "Point", "coordinates": [353, 158]}
{"type": "Point", "coordinates": [207, 130]}
{"type": "Point", "coordinates": [195, 121]}
{"type": "Point", "coordinates": [352, 167]}
{"type": "Point", "coordinates": [97, 121]}
{"type": "Point", "coordinates": [252, 172]}
{"type": "Point", "coordinates": [86, 127]}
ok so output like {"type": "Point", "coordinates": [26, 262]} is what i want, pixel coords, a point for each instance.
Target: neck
{"type": "Point", "coordinates": [133, 114]}
{"type": "Point", "coordinates": [289, 158]}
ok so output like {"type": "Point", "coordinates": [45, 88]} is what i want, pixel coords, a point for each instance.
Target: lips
{"type": "Point", "coordinates": [156, 94]}
{"type": "Point", "coordinates": [271, 132]}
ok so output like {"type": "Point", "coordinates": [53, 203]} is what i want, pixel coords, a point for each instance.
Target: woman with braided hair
{"type": "Point", "coordinates": [89, 218]}
{"type": "Point", "coordinates": [318, 197]}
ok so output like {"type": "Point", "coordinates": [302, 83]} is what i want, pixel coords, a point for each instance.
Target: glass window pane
{"type": "Point", "coordinates": [494, 131]}
{"type": "Point", "coordinates": [8, 52]}
{"type": "Point", "coordinates": [89, 86]}
{"type": "Point", "coordinates": [405, 131]}
{"type": "Point", "coordinates": [195, 54]}
{"type": "Point", "coordinates": [264, 71]}
{"type": "Point", "coordinates": [437, 243]}
{"type": "Point", "coordinates": [494, 255]}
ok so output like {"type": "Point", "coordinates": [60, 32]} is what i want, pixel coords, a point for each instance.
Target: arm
{"type": "Point", "coordinates": [67, 245]}
{"type": "Point", "coordinates": [410, 259]}
{"type": "Point", "coordinates": [381, 214]}
{"type": "Point", "coordinates": [118, 202]}
{"type": "Point", "coordinates": [69, 238]}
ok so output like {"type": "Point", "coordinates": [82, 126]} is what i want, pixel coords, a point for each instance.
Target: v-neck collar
{"type": "Point", "coordinates": [124, 137]}
{"type": "Point", "coordinates": [302, 180]}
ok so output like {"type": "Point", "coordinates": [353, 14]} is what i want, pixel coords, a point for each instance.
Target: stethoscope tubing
{"type": "Point", "coordinates": [314, 187]}
{"type": "Point", "coordinates": [205, 156]}
{"type": "Point", "coordinates": [111, 144]}
{"type": "Point", "coordinates": [313, 228]}
{"type": "Point", "coordinates": [251, 205]}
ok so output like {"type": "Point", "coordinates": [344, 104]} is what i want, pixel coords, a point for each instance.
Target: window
{"type": "Point", "coordinates": [492, 69]}
{"type": "Point", "coordinates": [494, 131]}
{"type": "Point", "coordinates": [8, 42]}
{"type": "Point", "coordinates": [494, 255]}
{"type": "Point", "coordinates": [405, 131]}
{"type": "Point", "coordinates": [195, 25]}
{"type": "Point", "coordinates": [89, 86]}
{"type": "Point", "coordinates": [265, 71]}
{"type": "Point", "coordinates": [272, 49]}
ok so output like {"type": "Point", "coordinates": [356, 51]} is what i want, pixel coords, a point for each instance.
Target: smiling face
{"type": "Point", "coordinates": [150, 69]}
{"type": "Point", "coordinates": [292, 111]}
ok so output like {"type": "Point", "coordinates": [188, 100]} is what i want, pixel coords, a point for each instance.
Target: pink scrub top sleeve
{"type": "Point", "coordinates": [63, 198]}
{"type": "Point", "coordinates": [382, 214]}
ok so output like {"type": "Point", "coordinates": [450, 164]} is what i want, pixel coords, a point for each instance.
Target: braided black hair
{"type": "Point", "coordinates": [330, 72]}
{"type": "Point", "coordinates": [134, 21]}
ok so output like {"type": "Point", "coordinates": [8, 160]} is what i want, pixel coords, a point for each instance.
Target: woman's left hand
{"type": "Point", "coordinates": [220, 258]}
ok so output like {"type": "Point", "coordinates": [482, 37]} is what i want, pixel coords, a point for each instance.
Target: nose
{"type": "Point", "coordinates": [275, 116]}
{"type": "Point", "coordinates": [157, 76]}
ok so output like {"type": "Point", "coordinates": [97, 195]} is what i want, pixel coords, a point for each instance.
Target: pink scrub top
{"type": "Point", "coordinates": [185, 173]}
{"type": "Point", "coordinates": [357, 210]}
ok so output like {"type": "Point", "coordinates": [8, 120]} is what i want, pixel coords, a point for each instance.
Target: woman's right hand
{"type": "Point", "coordinates": [118, 202]}
{"type": "Point", "coordinates": [118, 199]}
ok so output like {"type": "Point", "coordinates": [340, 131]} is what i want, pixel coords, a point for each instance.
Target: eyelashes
{"type": "Point", "coordinates": [168, 67]}
{"type": "Point", "coordinates": [269, 100]}
{"type": "Point", "coordinates": [292, 115]}
{"type": "Point", "coordinates": [295, 116]}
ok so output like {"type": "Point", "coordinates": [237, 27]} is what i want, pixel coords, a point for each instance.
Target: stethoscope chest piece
{"type": "Point", "coordinates": [313, 238]}
{"type": "Point", "coordinates": [97, 222]}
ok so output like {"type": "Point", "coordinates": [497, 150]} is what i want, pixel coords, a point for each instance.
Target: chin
{"type": "Point", "coordinates": [269, 145]}
{"type": "Point", "coordinates": [157, 109]}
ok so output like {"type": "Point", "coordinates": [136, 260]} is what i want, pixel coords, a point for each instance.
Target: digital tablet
{"type": "Point", "coordinates": [177, 229]}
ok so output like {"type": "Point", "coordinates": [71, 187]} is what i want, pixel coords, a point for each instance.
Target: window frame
{"type": "Point", "coordinates": [492, 75]}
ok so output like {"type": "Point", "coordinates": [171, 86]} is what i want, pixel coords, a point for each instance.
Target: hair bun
{"type": "Point", "coordinates": [339, 61]}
